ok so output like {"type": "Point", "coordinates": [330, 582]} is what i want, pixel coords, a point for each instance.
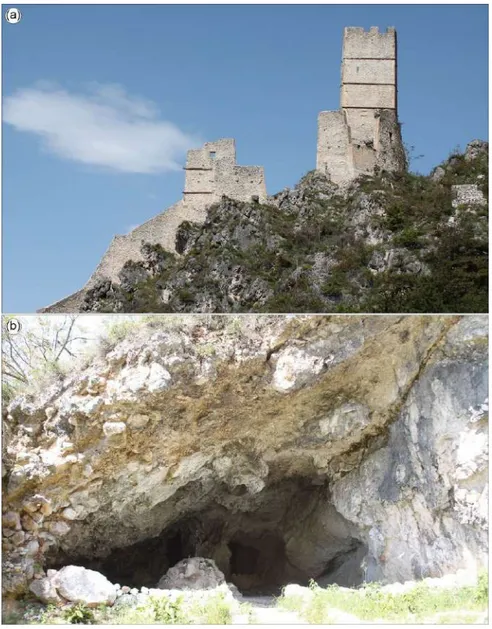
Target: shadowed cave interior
{"type": "Point", "coordinates": [289, 533]}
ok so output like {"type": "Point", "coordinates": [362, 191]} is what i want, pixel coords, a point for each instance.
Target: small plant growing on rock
{"type": "Point", "coordinates": [79, 614]}
{"type": "Point", "coordinates": [168, 612]}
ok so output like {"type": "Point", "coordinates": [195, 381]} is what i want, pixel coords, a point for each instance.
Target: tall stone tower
{"type": "Point", "coordinates": [364, 133]}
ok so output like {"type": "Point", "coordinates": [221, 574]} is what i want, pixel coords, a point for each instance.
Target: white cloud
{"type": "Point", "coordinates": [104, 127]}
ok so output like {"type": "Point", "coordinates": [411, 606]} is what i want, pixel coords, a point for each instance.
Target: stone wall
{"type": "Point", "coordinates": [201, 171]}
{"type": "Point", "coordinates": [210, 173]}
{"type": "Point", "coordinates": [72, 303]}
{"type": "Point", "coordinates": [368, 96]}
{"type": "Point", "coordinates": [368, 90]}
{"type": "Point", "coordinates": [333, 145]}
{"type": "Point", "coordinates": [389, 148]}
{"type": "Point", "coordinates": [241, 182]}
{"type": "Point", "coordinates": [158, 230]}
{"type": "Point", "coordinates": [467, 194]}
{"type": "Point", "coordinates": [367, 71]}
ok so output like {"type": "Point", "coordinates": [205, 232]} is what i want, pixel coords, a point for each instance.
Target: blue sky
{"type": "Point", "coordinates": [102, 102]}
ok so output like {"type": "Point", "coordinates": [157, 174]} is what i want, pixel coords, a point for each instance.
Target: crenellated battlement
{"type": "Point", "coordinates": [371, 44]}
{"type": "Point", "coordinates": [372, 29]}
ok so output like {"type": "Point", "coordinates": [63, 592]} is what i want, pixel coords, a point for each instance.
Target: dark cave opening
{"type": "Point", "coordinates": [257, 561]}
{"type": "Point", "coordinates": [292, 536]}
{"type": "Point", "coordinates": [175, 550]}
{"type": "Point", "coordinates": [243, 558]}
{"type": "Point", "coordinates": [139, 564]}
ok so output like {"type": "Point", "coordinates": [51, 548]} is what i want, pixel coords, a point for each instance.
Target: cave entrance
{"type": "Point", "coordinates": [137, 565]}
{"type": "Point", "coordinates": [175, 549]}
{"type": "Point", "coordinates": [290, 533]}
{"type": "Point", "coordinates": [144, 563]}
{"type": "Point", "coordinates": [244, 559]}
{"type": "Point", "coordinates": [257, 562]}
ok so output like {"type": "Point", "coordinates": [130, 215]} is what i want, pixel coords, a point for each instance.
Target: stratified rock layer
{"type": "Point", "coordinates": [336, 448]}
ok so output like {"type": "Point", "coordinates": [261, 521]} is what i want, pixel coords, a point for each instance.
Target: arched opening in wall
{"type": "Point", "coordinates": [288, 533]}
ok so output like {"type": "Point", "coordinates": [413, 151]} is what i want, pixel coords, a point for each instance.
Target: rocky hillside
{"type": "Point", "coordinates": [389, 243]}
{"type": "Point", "coordinates": [343, 449]}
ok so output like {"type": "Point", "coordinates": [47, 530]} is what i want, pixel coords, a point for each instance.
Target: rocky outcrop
{"type": "Point", "coordinates": [395, 242]}
{"type": "Point", "coordinates": [341, 449]}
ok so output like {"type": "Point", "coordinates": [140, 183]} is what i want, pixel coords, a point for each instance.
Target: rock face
{"type": "Point", "coordinates": [195, 573]}
{"type": "Point", "coordinates": [282, 448]}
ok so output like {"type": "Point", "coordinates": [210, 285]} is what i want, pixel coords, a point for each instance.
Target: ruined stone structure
{"type": "Point", "coordinates": [211, 172]}
{"type": "Point", "coordinates": [467, 195]}
{"type": "Point", "coordinates": [364, 134]}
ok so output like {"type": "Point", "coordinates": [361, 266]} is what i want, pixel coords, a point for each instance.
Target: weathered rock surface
{"type": "Point", "coordinates": [76, 585]}
{"type": "Point", "coordinates": [282, 448]}
{"type": "Point", "coordinates": [195, 573]}
{"type": "Point", "coordinates": [79, 585]}
{"type": "Point", "coordinates": [45, 591]}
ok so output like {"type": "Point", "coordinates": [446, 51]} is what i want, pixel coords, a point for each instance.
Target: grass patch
{"type": "Point", "coordinates": [216, 610]}
{"type": "Point", "coordinates": [373, 603]}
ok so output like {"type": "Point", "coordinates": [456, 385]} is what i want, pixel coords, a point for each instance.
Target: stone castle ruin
{"type": "Point", "coordinates": [363, 135]}
{"type": "Point", "coordinates": [210, 173]}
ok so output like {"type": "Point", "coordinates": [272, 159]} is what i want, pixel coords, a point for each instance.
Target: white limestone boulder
{"type": "Point", "coordinates": [80, 585]}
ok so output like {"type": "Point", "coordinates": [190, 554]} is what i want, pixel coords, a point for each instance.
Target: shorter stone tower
{"type": "Point", "coordinates": [364, 133]}
{"type": "Point", "coordinates": [212, 172]}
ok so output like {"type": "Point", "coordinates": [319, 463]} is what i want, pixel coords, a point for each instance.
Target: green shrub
{"type": "Point", "coordinates": [481, 593]}
{"type": "Point", "coordinates": [216, 610]}
{"type": "Point", "coordinates": [120, 330]}
{"type": "Point", "coordinates": [79, 614]}
{"type": "Point", "coordinates": [8, 392]}
{"type": "Point", "coordinates": [409, 238]}
{"type": "Point", "coordinates": [168, 612]}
